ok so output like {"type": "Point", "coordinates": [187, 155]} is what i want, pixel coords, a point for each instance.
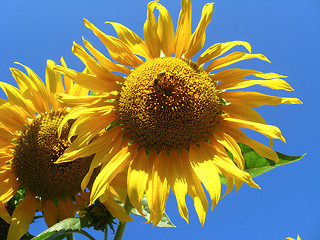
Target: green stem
{"type": "Point", "coordinates": [106, 233]}
{"type": "Point", "coordinates": [122, 226]}
{"type": "Point", "coordinates": [70, 236]}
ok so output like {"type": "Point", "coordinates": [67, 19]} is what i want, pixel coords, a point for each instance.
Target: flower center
{"type": "Point", "coordinates": [168, 103]}
{"type": "Point", "coordinates": [38, 147]}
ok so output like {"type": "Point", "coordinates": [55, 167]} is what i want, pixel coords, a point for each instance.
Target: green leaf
{"type": "Point", "coordinates": [64, 228]}
{"type": "Point", "coordinates": [165, 220]}
{"type": "Point", "coordinates": [256, 165]}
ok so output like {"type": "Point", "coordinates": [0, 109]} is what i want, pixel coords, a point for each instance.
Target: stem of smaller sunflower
{"type": "Point", "coordinates": [106, 233]}
{"type": "Point", "coordinates": [122, 226]}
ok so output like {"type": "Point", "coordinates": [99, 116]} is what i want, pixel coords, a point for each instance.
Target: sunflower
{"type": "Point", "coordinates": [165, 120]}
{"type": "Point", "coordinates": [289, 238]}
{"type": "Point", "coordinates": [30, 144]}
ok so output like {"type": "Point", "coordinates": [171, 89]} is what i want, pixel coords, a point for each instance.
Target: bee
{"type": "Point", "coordinates": [160, 77]}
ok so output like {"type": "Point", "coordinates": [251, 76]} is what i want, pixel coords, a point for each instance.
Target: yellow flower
{"type": "Point", "coordinates": [29, 146]}
{"type": "Point", "coordinates": [298, 238]}
{"type": "Point", "coordinates": [167, 121]}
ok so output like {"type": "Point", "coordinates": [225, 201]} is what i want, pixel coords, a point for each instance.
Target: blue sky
{"type": "Point", "coordinates": [287, 32]}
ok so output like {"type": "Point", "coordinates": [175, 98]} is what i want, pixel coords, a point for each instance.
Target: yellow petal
{"type": "Point", "coordinates": [94, 67]}
{"type": "Point", "coordinates": [89, 81]}
{"type": "Point", "coordinates": [199, 36]}
{"type": "Point", "coordinates": [37, 84]}
{"type": "Point", "coordinates": [22, 218]}
{"type": "Point", "coordinates": [240, 136]}
{"type": "Point", "coordinates": [160, 187]}
{"type": "Point", "coordinates": [115, 166]}
{"type": "Point", "coordinates": [132, 40]}
{"type": "Point", "coordinates": [233, 58]}
{"type": "Point", "coordinates": [241, 111]}
{"type": "Point", "coordinates": [117, 211]}
{"type": "Point", "coordinates": [267, 130]}
{"type": "Point", "coordinates": [255, 99]}
{"type": "Point", "coordinates": [137, 179]}
{"type": "Point", "coordinates": [243, 83]}
{"type": "Point", "coordinates": [165, 30]}
{"type": "Point", "coordinates": [105, 62]}
{"type": "Point", "coordinates": [150, 32]}
{"type": "Point", "coordinates": [50, 213]}
{"type": "Point", "coordinates": [54, 83]}
{"type": "Point", "coordinates": [66, 209]}
{"type": "Point", "coordinates": [183, 33]}
{"type": "Point", "coordinates": [8, 185]}
{"type": "Point", "coordinates": [207, 173]}
{"type": "Point", "coordinates": [118, 187]}
{"type": "Point", "coordinates": [226, 165]}
{"type": "Point", "coordinates": [15, 97]}
{"type": "Point", "coordinates": [229, 143]}
{"type": "Point", "coordinates": [218, 49]}
{"type": "Point", "coordinates": [74, 101]}
{"type": "Point", "coordinates": [4, 213]}
{"type": "Point", "coordinates": [179, 184]}
{"type": "Point", "coordinates": [118, 50]}
{"type": "Point", "coordinates": [29, 90]}
{"type": "Point", "coordinates": [239, 73]}
{"type": "Point", "coordinates": [195, 189]}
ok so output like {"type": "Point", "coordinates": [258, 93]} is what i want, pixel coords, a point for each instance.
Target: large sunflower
{"type": "Point", "coordinates": [169, 122]}
{"type": "Point", "coordinates": [30, 144]}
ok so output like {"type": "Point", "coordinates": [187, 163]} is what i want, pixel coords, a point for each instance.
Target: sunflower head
{"type": "Point", "coordinates": [37, 149]}
{"type": "Point", "coordinates": [168, 103]}
{"type": "Point", "coordinates": [172, 123]}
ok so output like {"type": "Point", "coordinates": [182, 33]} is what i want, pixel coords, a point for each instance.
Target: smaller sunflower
{"type": "Point", "coordinates": [29, 146]}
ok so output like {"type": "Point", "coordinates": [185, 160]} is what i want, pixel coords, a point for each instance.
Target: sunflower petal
{"type": "Point", "coordinates": [66, 209]}
{"type": "Point", "coordinates": [195, 189]}
{"type": "Point", "coordinates": [267, 130]}
{"type": "Point", "coordinates": [89, 81]}
{"type": "Point", "coordinates": [160, 187]}
{"type": "Point", "coordinates": [240, 136]}
{"type": "Point", "coordinates": [115, 166]}
{"type": "Point", "coordinates": [150, 32]}
{"type": "Point", "coordinates": [15, 97]}
{"type": "Point", "coordinates": [22, 218]}
{"type": "Point", "coordinates": [133, 41]}
{"type": "Point", "coordinates": [36, 83]}
{"type": "Point", "coordinates": [116, 210]}
{"type": "Point", "coordinates": [233, 58]}
{"type": "Point", "coordinates": [199, 36]}
{"type": "Point", "coordinates": [165, 30]}
{"type": "Point", "coordinates": [207, 173]}
{"type": "Point", "coordinates": [94, 67]}
{"type": "Point", "coordinates": [137, 179]}
{"type": "Point", "coordinates": [241, 111]}
{"type": "Point", "coordinates": [118, 50]}
{"type": "Point", "coordinates": [218, 49]}
{"type": "Point", "coordinates": [232, 74]}
{"type": "Point", "coordinates": [50, 213]}
{"type": "Point", "coordinates": [255, 99]}
{"type": "Point", "coordinates": [4, 213]}
{"type": "Point", "coordinates": [179, 184]}
{"type": "Point", "coordinates": [54, 83]}
{"type": "Point", "coordinates": [229, 143]}
{"type": "Point", "coordinates": [243, 83]}
{"type": "Point", "coordinates": [183, 33]}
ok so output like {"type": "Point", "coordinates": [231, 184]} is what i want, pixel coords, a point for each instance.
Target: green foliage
{"type": "Point", "coordinates": [64, 229]}
{"type": "Point", "coordinates": [256, 165]}
{"type": "Point", "coordinates": [165, 220]}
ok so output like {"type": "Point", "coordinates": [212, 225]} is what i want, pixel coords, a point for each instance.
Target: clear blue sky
{"type": "Point", "coordinates": [287, 32]}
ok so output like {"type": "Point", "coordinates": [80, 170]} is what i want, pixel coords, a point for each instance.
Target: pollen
{"type": "Point", "coordinates": [37, 149]}
{"type": "Point", "coordinates": [168, 103]}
